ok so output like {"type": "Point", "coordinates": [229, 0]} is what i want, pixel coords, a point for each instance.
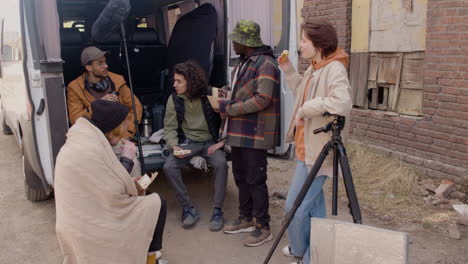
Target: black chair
{"type": "Point", "coordinates": [193, 38]}
{"type": "Point", "coordinates": [72, 44]}
{"type": "Point", "coordinates": [147, 62]}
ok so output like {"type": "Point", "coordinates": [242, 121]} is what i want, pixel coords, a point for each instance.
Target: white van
{"type": "Point", "coordinates": [41, 42]}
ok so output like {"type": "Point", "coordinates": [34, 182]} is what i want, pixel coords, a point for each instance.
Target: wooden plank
{"type": "Point", "coordinates": [360, 25]}
{"type": "Point", "coordinates": [373, 67]}
{"type": "Point", "coordinates": [398, 25]}
{"type": "Point", "coordinates": [410, 102]}
{"type": "Point", "coordinates": [363, 76]}
{"type": "Point", "coordinates": [354, 75]}
{"type": "Point", "coordinates": [359, 70]}
{"type": "Point", "coordinates": [336, 242]}
{"type": "Point", "coordinates": [412, 74]}
{"type": "Point", "coordinates": [389, 68]}
{"type": "Point", "coordinates": [373, 98]}
{"type": "Point", "coordinates": [392, 91]}
{"type": "Point", "coordinates": [385, 102]}
{"type": "Point", "coordinates": [397, 85]}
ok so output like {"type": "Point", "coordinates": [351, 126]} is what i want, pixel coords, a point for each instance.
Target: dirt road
{"type": "Point", "coordinates": [27, 229]}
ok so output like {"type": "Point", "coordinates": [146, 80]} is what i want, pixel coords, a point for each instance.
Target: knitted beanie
{"type": "Point", "coordinates": [108, 115]}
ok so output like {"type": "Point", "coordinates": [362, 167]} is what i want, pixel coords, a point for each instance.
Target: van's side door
{"type": "Point", "coordinates": [277, 20]}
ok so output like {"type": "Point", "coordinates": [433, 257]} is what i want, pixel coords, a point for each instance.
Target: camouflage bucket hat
{"type": "Point", "coordinates": [247, 33]}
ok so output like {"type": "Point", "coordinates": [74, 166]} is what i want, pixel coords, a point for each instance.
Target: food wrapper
{"type": "Point", "coordinates": [145, 181]}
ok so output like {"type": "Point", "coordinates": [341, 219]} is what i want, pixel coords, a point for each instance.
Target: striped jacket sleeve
{"type": "Point", "coordinates": [261, 97]}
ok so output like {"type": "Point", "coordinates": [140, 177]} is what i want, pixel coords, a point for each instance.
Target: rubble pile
{"type": "Point", "coordinates": [447, 195]}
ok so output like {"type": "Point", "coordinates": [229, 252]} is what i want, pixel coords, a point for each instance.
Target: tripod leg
{"type": "Point", "coordinates": [349, 185]}
{"type": "Point", "coordinates": [300, 197]}
{"type": "Point", "coordinates": [335, 181]}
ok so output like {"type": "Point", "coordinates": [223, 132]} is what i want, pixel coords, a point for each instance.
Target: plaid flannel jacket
{"type": "Point", "coordinates": [254, 109]}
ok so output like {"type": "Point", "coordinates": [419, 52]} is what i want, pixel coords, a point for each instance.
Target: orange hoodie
{"type": "Point", "coordinates": [339, 55]}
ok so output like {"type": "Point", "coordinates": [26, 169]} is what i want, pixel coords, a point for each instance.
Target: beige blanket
{"type": "Point", "coordinates": [100, 217]}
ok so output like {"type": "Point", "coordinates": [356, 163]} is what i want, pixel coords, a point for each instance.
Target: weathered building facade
{"type": "Point", "coordinates": [409, 72]}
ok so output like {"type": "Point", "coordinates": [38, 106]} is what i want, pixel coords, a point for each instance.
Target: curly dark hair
{"type": "Point", "coordinates": [197, 84]}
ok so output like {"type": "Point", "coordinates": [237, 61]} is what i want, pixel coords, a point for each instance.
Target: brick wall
{"type": "Point", "coordinates": [436, 143]}
{"type": "Point", "coordinates": [338, 12]}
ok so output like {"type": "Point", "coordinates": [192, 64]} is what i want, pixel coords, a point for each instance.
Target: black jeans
{"type": "Point", "coordinates": [156, 243]}
{"type": "Point", "coordinates": [249, 167]}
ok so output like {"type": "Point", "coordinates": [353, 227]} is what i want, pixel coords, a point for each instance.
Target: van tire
{"type": "Point", "coordinates": [5, 128]}
{"type": "Point", "coordinates": [33, 187]}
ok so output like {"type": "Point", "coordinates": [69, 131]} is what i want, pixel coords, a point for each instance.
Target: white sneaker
{"type": "Point", "coordinates": [297, 262]}
{"type": "Point", "coordinates": [286, 250]}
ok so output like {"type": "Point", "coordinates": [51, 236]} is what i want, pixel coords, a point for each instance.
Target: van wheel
{"type": "Point", "coordinates": [33, 188]}
{"type": "Point", "coordinates": [5, 128]}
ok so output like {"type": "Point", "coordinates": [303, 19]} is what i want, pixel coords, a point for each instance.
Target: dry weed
{"type": "Point", "coordinates": [386, 187]}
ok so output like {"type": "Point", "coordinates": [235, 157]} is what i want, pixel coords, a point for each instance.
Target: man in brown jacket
{"type": "Point", "coordinates": [98, 83]}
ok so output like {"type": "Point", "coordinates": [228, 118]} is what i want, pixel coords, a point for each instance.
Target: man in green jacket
{"type": "Point", "coordinates": [192, 124]}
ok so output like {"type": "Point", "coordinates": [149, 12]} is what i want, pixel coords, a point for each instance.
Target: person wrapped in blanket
{"type": "Point", "coordinates": [97, 201]}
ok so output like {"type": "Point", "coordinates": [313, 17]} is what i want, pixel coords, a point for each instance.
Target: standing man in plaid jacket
{"type": "Point", "coordinates": [253, 127]}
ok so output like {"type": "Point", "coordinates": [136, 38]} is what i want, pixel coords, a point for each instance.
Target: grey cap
{"type": "Point", "coordinates": [91, 53]}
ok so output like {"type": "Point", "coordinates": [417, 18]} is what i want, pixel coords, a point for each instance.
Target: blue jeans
{"type": "Point", "coordinates": [312, 206]}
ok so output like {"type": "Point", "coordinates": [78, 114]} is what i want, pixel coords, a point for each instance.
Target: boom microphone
{"type": "Point", "coordinates": [115, 12]}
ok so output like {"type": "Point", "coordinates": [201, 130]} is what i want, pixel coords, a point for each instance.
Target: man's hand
{"type": "Point", "coordinates": [223, 92]}
{"type": "Point", "coordinates": [221, 100]}
{"type": "Point", "coordinates": [128, 150]}
{"type": "Point", "coordinates": [111, 97]}
{"type": "Point", "coordinates": [215, 147]}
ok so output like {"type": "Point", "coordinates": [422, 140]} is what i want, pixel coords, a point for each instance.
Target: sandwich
{"type": "Point", "coordinates": [284, 56]}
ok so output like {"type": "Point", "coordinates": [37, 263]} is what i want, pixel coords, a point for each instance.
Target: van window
{"type": "Point", "coordinates": [10, 49]}
{"type": "Point", "coordinates": [142, 22]}
{"type": "Point", "coordinates": [80, 24]}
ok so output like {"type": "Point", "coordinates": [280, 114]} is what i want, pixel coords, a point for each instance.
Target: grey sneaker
{"type": "Point", "coordinates": [259, 236]}
{"type": "Point", "coordinates": [189, 217]}
{"type": "Point", "coordinates": [217, 220]}
{"type": "Point", "coordinates": [241, 225]}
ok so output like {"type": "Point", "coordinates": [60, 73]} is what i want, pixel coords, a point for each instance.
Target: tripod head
{"type": "Point", "coordinates": [336, 125]}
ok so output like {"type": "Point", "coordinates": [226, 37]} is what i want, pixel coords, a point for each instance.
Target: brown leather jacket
{"type": "Point", "coordinates": [79, 100]}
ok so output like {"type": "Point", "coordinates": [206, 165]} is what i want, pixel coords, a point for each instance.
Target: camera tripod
{"type": "Point", "coordinates": [339, 155]}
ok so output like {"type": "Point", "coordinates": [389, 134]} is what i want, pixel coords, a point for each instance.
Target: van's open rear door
{"type": "Point", "coordinates": [45, 88]}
